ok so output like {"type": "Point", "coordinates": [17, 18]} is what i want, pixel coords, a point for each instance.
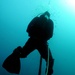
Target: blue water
{"type": "Point", "coordinates": [15, 15]}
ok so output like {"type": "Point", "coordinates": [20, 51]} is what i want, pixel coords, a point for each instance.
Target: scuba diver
{"type": "Point", "coordinates": [40, 30]}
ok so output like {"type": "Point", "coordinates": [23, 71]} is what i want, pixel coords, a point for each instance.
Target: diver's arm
{"type": "Point", "coordinates": [51, 27]}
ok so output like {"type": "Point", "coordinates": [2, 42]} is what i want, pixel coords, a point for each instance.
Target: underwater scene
{"type": "Point", "coordinates": [15, 15]}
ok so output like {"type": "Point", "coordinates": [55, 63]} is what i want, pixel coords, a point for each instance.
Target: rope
{"type": "Point", "coordinates": [47, 62]}
{"type": "Point", "coordinates": [40, 66]}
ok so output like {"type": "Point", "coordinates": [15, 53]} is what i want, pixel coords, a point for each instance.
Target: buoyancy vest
{"type": "Point", "coordinates": [41, 28]}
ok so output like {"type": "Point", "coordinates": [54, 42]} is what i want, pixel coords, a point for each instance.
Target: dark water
{"type": "Point", "coordinates": [14, 18]}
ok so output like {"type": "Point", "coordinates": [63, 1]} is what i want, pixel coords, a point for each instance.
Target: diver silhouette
{"type": "Point", "coordinates": [40, 30]}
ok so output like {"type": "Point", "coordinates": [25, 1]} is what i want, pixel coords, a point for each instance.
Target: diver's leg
{"type": "Point", "coordinates": [43, 50]}
{"type": "Point", "coordinates": [28, 48]}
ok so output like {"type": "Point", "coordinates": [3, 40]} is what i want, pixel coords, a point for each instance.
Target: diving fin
{"type": "Point", "coordinates": [12, 63]}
